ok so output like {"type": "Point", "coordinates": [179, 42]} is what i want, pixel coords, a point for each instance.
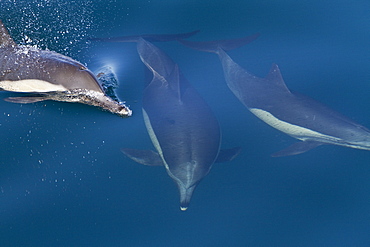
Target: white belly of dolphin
{"type": "Point", "coordinates": [153, 137]}
{"type": "Point", "coordinates": [157, 146]}
{"type": "Point", "coordinates": [295, 131]}
{"type": "Point", "coordinates": [31, 86]}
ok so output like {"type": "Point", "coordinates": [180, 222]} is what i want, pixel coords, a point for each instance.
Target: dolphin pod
{"type": "Point", "coordinates": [183, 129]}
{"type": "Point", "coordinates": [49, 75]}
{"type": "Point", "coordinates": [294, 114]}
{"type": "Point", "coordinates": [187, 149]}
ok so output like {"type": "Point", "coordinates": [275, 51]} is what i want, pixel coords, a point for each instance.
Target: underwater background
{"type": "Point", "coordinates": [64, 181]}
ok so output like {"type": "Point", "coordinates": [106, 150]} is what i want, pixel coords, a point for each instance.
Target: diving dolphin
{"type": "Point", "coordinates": [49, 76]}
{"type": "Point", "coordinates": [294, 114]}
{"type": "Point", "coordinates": [182, 127]}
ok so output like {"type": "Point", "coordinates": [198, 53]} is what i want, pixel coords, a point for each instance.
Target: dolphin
{"type": "Point", "coordinates": [271, 101]}
{"type": "Point", "coordinates": [182, 127]}
{"type": "Point", "coordinates": [48, 75]}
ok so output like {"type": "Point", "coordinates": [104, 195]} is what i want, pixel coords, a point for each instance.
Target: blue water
{"type": "Point", "coordinates": [64, 181]}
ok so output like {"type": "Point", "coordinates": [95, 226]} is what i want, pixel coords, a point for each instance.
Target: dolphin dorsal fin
{"type": "Point", "coordinates": [5, 39]}
{"type": "Point", "coordinates": [274, 76]}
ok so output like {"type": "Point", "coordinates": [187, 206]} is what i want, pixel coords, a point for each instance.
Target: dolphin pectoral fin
{"type": "Point", "coordinates": [226, 155]}
{"type": "Point", "coordinates": [144, 157]}
{"type": "Point", "coordinates": [297, 148]}
{"type": "Point", "coordinates": [24, 100]}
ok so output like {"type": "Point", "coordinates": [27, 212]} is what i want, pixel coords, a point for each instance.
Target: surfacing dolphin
{"type": "Point", "coordinates": [182, 127]}
{"type": "Point", "coordinates": [49, 75]}
{"type": "Point", "coordinates": [294, 114]}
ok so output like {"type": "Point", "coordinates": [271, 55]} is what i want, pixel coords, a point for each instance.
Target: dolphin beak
{"type": "Point", "coordinates": [185, 196]}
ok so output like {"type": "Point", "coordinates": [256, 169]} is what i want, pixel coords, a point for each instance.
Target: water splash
{"type": "Point", "coordinates": [108, 80]}
{"type": "Point", "coordinates": [61, 26]}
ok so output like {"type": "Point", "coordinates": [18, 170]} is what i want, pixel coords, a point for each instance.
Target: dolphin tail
{"type": "Point", "coordinates": [214, 46]}
{"type": "Point", "coordinates": [148, 37]}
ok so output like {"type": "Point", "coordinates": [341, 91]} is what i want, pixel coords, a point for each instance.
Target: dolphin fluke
{"type": "Point", "coordinates": [214, 46]}
{"type": "Point", "coordinates": [148, 37]}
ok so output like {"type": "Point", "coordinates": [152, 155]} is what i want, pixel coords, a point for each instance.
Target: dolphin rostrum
{"type": "Point", "coordinates": [294, 114]}
{"type": "Point", "coordinates": [49, 75]}
{"type": "Point", "coordinates": [182, 127]}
